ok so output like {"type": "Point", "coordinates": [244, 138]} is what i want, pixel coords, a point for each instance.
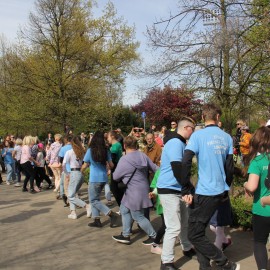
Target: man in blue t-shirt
{"type": "Point", "coordinates": [214, 151]}
{"type": "Point", "coordinates": [169, 191]}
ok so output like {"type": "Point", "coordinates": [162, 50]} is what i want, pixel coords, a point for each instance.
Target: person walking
{"type": "Point", "coordinates": [258, 186]}
{"type": "Point", "coordinates": [74, 158]}
{"type": "Point", "coordinates": [132, 169]}
{"type": "Point", "coordinates": [169, 190]}
{"type": "Point", "coordinates": [98, 157]}
{"type": "Point", "coordinates": [214, 151]}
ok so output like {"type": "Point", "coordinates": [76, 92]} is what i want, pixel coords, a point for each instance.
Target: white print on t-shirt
{"type": "Point", "coordinates": [218, 144]}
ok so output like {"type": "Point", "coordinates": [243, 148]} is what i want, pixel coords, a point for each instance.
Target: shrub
{"type": "Point", "coordinates": [86, 175]}
{"type": "Point", "coordinates": [241, 212]}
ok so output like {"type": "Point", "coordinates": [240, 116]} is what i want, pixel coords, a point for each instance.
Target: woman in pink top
{"type": "Point", "coordinates": [26, 163]}
{"type": "Point", "coordinates": [52, 157]}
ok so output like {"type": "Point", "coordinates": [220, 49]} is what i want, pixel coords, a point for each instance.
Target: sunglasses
{"type": "Point", "coordinates": [173, 124]}
{"type": "Point", "coordinates": [238, 124]}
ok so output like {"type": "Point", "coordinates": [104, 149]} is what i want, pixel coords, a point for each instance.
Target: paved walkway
{"type": "Point", "coordinates": [36, 234]}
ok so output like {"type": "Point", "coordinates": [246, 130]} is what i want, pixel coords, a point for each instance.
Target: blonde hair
{"type": "Point", "coordinates": [35, 139]}
{"type": "Point", "coordinates": [27, 140]}
{"type": "Point", "coordinates": [19, 141]}
{"type": "Point", "coordinates": [58, 136]}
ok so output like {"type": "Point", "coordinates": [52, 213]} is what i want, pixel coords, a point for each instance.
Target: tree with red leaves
{"type": "Point", "coordinates": [169, 104]}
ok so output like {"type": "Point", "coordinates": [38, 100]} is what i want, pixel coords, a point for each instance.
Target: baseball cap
{"type": "Point", "coordinates": [40, 145]}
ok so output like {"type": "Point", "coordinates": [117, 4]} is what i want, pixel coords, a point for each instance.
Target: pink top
{"type": "Point", "coordinates": [52, 155]}
{"type": "Point", "coordinates": [26, 154]}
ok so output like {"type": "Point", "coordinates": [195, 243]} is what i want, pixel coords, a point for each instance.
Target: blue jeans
{"type": "Point", "coordinates": [108, 194]}
{"type": "Point", "coordinates": [127, 218]}
{"type": "Point", "coordinates": [11, 173]}
{"type": "Point", "coordinates": [75, 183]}
{"type": "Point", "coordinates": [176, 220]}
{"type": "Point", "coordinates": [94, 191]}
{"type": "Point", "coordinates": [62, 179]}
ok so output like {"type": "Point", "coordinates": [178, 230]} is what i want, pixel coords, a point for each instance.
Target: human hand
{"type": "Point", "coordinates": [188, 199]}
{"type": "Point", "coordinates": [151, 195]}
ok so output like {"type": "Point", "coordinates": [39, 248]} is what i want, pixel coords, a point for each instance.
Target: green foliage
{"type": "Point", "coordinates": [86, 175]}
{"type": "Point", "coordinates": [240, 209]}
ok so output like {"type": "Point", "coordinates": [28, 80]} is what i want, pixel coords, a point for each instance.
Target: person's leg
{"type": "Point", "coordinates": [161, 231]}
{"type": "Point", "coordinates": [13, 175]}
{"type": "Point", "coordinates": [126, 220]}
{"type": "Point", "coordinates": [27, 176]}
{"type": "Point", "coordinates": [66, 182]}
{"type": "Point", "coordinates": [117, 193]}
{"type": "Point", "coordinates": [185, 243]}
{"type": "Point", "coordinates": [43, 175]}
{"type": "Point", "coordinates": [146, 212]}
{"type": "Point", "coordinates": [199, 217]}
{"type": "Point", "coordinates": [171, 212]}
{"type": "Point", "coordinates": [261, 230]}
{"type": "Point", "coordinates": [61, 187]}
{"type": "Point", "coordinates": [74, 185]}
{"type": "Point", "coordinates": [9, 173]}
{"type": "Point", "coordinates": [144, 223]}
{"type": "Point", "coordinates": [97, 206]}
{"type": "Point", "coordinates": [108, 195]}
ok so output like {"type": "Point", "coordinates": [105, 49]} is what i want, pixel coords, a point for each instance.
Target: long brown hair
{"type": "Point", "coordinates": [259, 143]}
{"type": "Point", "coordinates": [77, 148]}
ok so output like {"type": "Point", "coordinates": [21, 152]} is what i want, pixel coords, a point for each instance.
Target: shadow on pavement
{"type": "Point", "coordinates": [14, 201]}
{"type": "Point", "coordinates": [25, 215]}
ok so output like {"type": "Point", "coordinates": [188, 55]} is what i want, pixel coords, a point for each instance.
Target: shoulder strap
{"type": "Point", "coordinates": [131, 176]}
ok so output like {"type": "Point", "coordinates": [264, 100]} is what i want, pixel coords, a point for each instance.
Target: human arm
{"type": "Point", "coordinates": [252, 184]}
{"type": "Point", "coordinates": [185, 173]}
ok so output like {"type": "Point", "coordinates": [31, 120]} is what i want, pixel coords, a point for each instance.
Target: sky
{"type": "Point", "coordinates": [141, 13]}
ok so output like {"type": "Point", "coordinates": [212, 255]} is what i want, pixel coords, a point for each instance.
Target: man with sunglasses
{"type": "Point", "coordinates": [169, 190]}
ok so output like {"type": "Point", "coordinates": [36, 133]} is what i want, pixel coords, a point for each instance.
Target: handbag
{"type": "Point", "coordinates": [122, 185]}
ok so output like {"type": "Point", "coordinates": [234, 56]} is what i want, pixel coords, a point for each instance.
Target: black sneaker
{"type": "Point", "coordinates": [230, 266]}
{"type": "Point", "coordinates": [167, 266]}
{"type": "Point", "coordinates": [190, 253]}
{"type": "Point", "coordinates": [96, 224]}
{"type": "Point", "coordinates": [24, 189]}
{"type": "Point", "coordinates": [114, 218]}
{"type": "Point", "coordinates": [122, 239]}
{"type": "Point", "coordinates": [149, 241]}
{"type": "Point", "coordinates": [64, 197]}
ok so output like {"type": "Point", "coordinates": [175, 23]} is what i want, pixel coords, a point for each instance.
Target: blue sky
{"type": "Point", "coordinates": [141, 13]}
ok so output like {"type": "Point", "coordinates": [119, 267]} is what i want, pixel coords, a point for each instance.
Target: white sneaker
{"type": "Point", "coordinates": [156, 249]}
{"type": "Point", "coordinates": [72, 216]}
{"type": "Point", "coordinates": [89, 211]}
{"type": "Point", "coordinates": [8, 183]}
{"type": "Point", "coordinates": [17, 185]}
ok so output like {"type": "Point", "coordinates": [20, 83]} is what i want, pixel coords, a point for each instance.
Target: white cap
{"type": "Point", "coordinates": [268, 123]}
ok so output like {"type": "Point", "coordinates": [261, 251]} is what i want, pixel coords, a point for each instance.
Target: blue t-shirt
{"type": "Point", "coordinates": [172, 151]}
{"type": "Point", "coordinates": [62, 153]}
{"type": "Point", "coordinates": [211, 146]}
{"type": "Point", "coordinates": [8, 159]}
{"type": "Point", "coordinates": [98, 172]}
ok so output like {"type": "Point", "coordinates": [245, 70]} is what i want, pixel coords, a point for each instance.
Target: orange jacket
{"type": "Point", "coordinates": [244, 143]}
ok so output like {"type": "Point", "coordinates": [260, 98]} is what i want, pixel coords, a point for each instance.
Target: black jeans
{"type": "Point", "coordinates": [41, 175]}
{"type": "Point", "coordinates": [29, 174]}
{"type": "Point", "coordinates": [117, 192]}
{"type": "Point", "coordinates": [161, 231]}
{"type": "Point", "coordinates": [261, 230]}
{"type": "Point", "coordinates": [200, 214]}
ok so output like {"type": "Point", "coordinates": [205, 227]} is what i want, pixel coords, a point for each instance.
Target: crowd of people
{"type": "Point", "coordinates": [146, 169]}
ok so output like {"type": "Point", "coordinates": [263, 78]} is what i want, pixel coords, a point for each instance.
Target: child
{"type": "Point", "coordinates": [41, 173]}
{"type": "Point", "coordinates": [155, 248]}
